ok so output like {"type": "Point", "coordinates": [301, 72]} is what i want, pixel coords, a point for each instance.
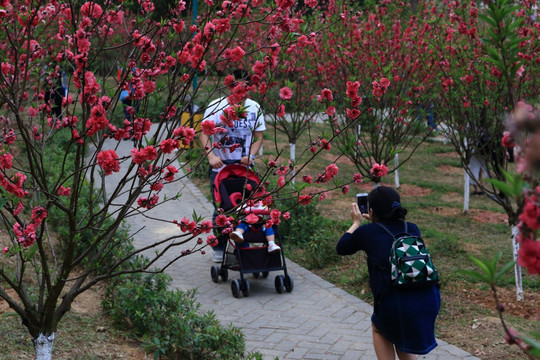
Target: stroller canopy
{"type": "Point", "coordinates": [230, 185]}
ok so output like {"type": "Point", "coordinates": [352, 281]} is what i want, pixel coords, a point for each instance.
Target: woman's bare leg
{"type": "Point", "coordinates": [405, 356]}
{"type": "Point", "coordinates": [384, 349]}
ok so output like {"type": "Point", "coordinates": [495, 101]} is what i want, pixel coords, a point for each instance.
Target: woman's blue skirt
{"type": "Point", "coordinates": [406, 318]}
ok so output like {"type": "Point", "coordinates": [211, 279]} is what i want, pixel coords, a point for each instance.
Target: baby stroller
{"type": "Point", "coordinates": [232, 185]}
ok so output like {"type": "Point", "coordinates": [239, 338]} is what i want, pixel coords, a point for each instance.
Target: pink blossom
{"type": "Point", "coordinates": [331, 170]}
{"type": "Point", "coordinates": [287, 215]}
{"type": "Point", "coordinates": [281, 110]}
{"type": "Point", "coordinates": [275, 215]}
{"type": "Point", "coordinates": [345, 189]}
{"type": "Point", "coordinates": [353, 113]}
{"type": "Point", "coordinates": [91, 9]}
{"type": "Point", "coordinates": [237, 54]}
{"type": "Point", "coordinates": [169, 175]}
{"type": "Point", "coordinates": [252, 218]}
{"type": "Point", "coordinates": [167, 146]}
{"type": "Point", "coordinates": [62, 191]}
{"type": "Point", "coordinates": [285, 93]}
{"type": "Point", "coordinates": [507, 140]}
{"type": "Point", "coordinates": [148, 153]}
{"type": "Point", "coordinates": [331, 110]}
{"type": "Point", "coordinates": [304, 199]}
{"type": "Point", "coordinates": [108, 160]}
{"type": "Point", "coordinates": [529, 256]}
{"type": "Point", "coordinates": [5, 250]}
{"type": "Point", "coordinates": [212, 241]}
{"type": "Point", "coordinates": [6, 161]}
{"type": "Point", "coordinates": [148, 203]}
{"type": "Point", "coordinates": [281, 181]}
{"type": "Point", "coordinates": [326, 94]}
{"type": "Point", "coordinates": [206, 226]}
{"type": "Point", "coordinates": [18, 209]}
{"type": "Point", "coordinates": [222, 220]}
{"type": "Point", "coordinates": [379, 170]}
{"type": "Point", "coordinates": [157, 186]}
{"type": "Point", "coordinates": [531, 214]}
{"type": "Point", "coordinates": [357, 178]}
{"type": "Point", "coordinates": [33, 112]}
{"type": "Point", "coordinates": [208, 127]}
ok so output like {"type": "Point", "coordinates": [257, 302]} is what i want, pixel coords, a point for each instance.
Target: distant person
{"type": "Point", "coordinates": [56, 94]}
{"type": "Point", "coordinates": [403, 320]}
{"type": "Point", "coordinates": [130, 106]}
{"type": "Point", "coordinates": [239, 142]}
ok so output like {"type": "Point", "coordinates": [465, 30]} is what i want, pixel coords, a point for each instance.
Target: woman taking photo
{"type": "Point", "coordinates": [403, 320]}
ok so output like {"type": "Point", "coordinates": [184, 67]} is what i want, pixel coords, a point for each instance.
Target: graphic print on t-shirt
{"type": "Point", "coordinates": [236, 142]}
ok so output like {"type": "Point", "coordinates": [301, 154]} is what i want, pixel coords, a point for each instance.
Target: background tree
{"type": "Point", "coordinates": [484, 70]}
{"type": "Point", "coordinates": [382, 61]}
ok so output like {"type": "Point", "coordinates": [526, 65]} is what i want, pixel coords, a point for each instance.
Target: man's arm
{"type": "Point", "coordinates": [214, 161]}
{"type": "Point", "coordinates": [254, 149]}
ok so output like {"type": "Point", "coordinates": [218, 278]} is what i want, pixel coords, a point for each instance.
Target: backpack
{"type": "Point", "coordinates": [410, 262]}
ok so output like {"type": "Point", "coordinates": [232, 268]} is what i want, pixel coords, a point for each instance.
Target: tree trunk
{"type": "Point", "coordinates": [292, 150]}
{"type": "Point", "coordinates": [517, 268]}
{"type": "Point", "coordinates": [466, 192]}
{"type": "Point", "coordinates": [43, 346]}
{"type": "Point", "coordinates": [396, 171]}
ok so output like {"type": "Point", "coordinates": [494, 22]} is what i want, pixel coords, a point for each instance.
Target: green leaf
{"type": "Point", "coordinates": [473, 274]}
{"type": "Point", "coordinates": [3, 201]}
{"type": "Point", "coordinates": [483, 265]}
{"type": "Point", "coordinates": [534, 346]}
{"type": "Point", "coordinates": [505, 268]}
{"type": "Point", "coordinates": [507, 189]}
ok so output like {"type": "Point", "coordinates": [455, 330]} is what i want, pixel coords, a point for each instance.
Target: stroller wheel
{"type": "Point", "coordinates": [279, 284]}
{"type": "Point", "coordinates": [224, 274]}
{"type": "Point", "coordinates": [245, 287]}
{"type": "Point", "coordinates": [235, 288]}
{"type": "Point", "coordinates": [265, 274]}
{"type": "Point", "coordinates": [289, 283]}
{"type": "Point", "coordinates": [214, 273]}
{"type": "Point", "coordinates": [256, 275]}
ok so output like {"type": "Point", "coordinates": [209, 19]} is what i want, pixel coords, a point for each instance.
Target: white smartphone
{"type": "Point", "coordinates": [362, 201]}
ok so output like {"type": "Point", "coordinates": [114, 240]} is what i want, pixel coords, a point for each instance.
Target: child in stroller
{"type": "Point", "coordinates": [235, 190]}
{"type": "Point", "coordinates": [255, 221]}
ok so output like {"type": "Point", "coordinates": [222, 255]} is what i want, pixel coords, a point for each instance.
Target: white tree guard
{"type": "Point", "coordinates": [396, 171]}
{"type": "Point", "coordinates": [466, 192]}
{"type": "Point", "coordinates": [517, 268]}
{"type": "Point", "coordinates": [292, 150]}
{"type": "Point", "coordinates": [43, 346]}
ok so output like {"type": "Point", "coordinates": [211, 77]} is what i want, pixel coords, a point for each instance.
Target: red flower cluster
{"type": "Point", "coordinates": [108, 160]}
{"type": "Point", "coordinates": [148, 203]}
{"type": "Point", "coordinates": [148, 153]}
{"type": "Point", "coordinates": [379, 170]}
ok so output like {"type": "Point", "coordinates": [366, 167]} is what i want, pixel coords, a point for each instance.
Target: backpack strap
{"type": "Point", "coordinates": [389, 232]}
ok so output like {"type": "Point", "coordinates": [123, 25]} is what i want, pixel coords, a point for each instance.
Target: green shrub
{"type": "Point", "coordinates": [305, 221]}
{"type": "Point", "coordinates": [320, 251]}
{"type": "Point", "coordinates": [169, 321]}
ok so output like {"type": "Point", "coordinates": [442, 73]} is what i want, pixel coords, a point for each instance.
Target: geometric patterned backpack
{"type": "Point", "coordinates": [410, 262]}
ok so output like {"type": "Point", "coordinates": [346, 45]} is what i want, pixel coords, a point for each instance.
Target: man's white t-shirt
{"type": "Point", "coordinates": [241, 133]}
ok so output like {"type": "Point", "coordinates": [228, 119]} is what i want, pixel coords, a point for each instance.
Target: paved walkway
{"type": "Point", "coordinates": [316, 321]}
